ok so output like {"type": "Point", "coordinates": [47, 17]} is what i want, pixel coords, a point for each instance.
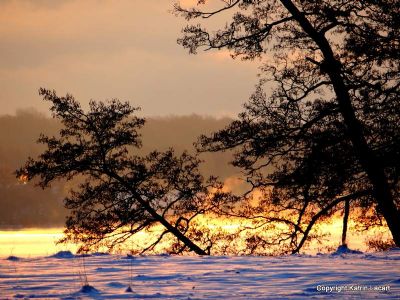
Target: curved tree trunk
{"type": "Point", "coordinates": [345, 222]}
{"type": "Point", "coordinates": [314, 219]}
{"type": "Point", "coordinates": [367, 158]}
{"type": "Point", "coordinates": [323, 212]}
{"type": "Point", "coordinates": [172, 229]}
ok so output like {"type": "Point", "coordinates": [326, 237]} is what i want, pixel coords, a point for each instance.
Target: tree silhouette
{"type": "Point", "coordinates": [120, 193]}
{"type": "Point", "coordinates": [327, 133]}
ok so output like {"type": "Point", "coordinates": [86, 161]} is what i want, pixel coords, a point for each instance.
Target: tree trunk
{"type": "Point", "coordinates": [345, 221]}
{"type": "Point", "coordinates": [324, 211]}
{"type": "Point", "coordinates": [367, 158]}
{"type": "Point", "coordinates": [179, 235]}
{"type": "Point", "coordinates": [313, 220]}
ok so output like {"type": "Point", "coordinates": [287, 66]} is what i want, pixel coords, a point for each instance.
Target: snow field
{"type": "Point", "coordinates": [338, 275]}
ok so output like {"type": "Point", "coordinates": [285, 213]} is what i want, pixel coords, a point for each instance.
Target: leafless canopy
{"type": "Point", "coordinates": [322, 126]}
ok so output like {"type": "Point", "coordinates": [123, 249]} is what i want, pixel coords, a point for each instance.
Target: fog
{"type": "Point", "coordinates": [24, 205]}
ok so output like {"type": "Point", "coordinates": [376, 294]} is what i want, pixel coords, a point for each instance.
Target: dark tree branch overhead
{"type": "Point", "coordinates": [366, 156]}
{"type": "Point", "coordinates": [195, 13]}
{"type": "Point", "coordinates": [329, 124]}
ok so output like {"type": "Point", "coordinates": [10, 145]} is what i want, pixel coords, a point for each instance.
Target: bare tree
{"type": "Point", "coordinates": [120, 193]}
{"type": "Point", "coordinates": [327, 133]}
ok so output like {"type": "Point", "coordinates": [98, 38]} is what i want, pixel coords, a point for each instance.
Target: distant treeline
{"type": "Point", "coordinates": [22, 205]}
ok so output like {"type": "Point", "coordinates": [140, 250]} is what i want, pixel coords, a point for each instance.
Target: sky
{"type": "Point", "coordinates": [126, 49]}
{"type": "Point", "coordinates": [102, 49]}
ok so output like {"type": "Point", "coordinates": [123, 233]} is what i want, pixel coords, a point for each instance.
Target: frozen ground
{"type": "Point", "coordinates": [192, 277]}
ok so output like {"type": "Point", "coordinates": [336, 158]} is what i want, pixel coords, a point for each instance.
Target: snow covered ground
{"type": "Point", "coordinates": [62, 276]}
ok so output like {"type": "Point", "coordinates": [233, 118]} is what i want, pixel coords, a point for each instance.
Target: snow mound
{"type": "Point", "coordinates": [343, 249]}
{"type": "Point", "coordinates": [100, 254]}
{"type": "Point", "coordinates": [83, 255]}
{"type": "Point", "coordinates": [394, 249]}
{"type": "Point", "coordinates": [19, 296]}
{"type": "Point", "coordinates": [63, 254]}
{"type": "Point", "coordinates": [129, 290]}
{"type": "Point", "coordinates": [88, 289]}
{"type": "Point", "coordinates": [13, 258]}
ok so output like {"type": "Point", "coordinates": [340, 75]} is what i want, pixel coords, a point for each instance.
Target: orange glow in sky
{"type": "Point", "coordinates": [42, 242]}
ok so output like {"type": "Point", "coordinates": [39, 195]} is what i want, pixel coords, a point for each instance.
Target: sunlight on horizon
{"type": "Point", "coordinates": [32, 242]}
{"type": "Point", "coordinates": [42, 241]}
